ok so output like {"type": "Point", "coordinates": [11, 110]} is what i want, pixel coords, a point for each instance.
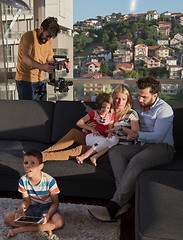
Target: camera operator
{"type": "Point", "coordinates": [34, 55]}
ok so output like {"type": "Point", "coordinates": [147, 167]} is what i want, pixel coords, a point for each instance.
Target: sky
{"type": "Point", "coordinates": [85, 9]}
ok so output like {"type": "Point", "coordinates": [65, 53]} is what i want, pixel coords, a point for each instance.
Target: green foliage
{"type": "Point", "coordinates": [81, 42]}
{"type": "Point", "coordinates": [104, 69]}
{"type": "Point", "coordinates": [144, 72]}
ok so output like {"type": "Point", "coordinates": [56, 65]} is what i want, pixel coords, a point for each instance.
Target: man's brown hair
{"type": "Point", "coordinates": [148, 82]}
{"type": "Point", "coordinates": [50, 24]}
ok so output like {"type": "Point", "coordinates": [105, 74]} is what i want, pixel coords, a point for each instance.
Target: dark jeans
{"type": "Point", "coordinates": [31, 91]}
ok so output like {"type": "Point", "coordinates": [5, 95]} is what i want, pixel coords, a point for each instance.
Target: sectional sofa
{"type": "Point", "coordinates": [30, 124]}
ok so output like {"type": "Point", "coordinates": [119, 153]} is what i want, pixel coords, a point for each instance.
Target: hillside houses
{"type": "Point", "coordinates": [167, 51]}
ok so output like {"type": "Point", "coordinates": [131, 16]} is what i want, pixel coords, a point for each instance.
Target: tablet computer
{"type": "Point", "coordinates": [29, 219]}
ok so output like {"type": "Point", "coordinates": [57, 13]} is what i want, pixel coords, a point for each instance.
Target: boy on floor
{"type": "Point", "coordinates": [40, 198]}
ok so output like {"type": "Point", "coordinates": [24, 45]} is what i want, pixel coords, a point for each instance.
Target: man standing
{"type": "Point", "coordinates": [34, 55]}
{"type": "Point", "coordinates": [154, 147]}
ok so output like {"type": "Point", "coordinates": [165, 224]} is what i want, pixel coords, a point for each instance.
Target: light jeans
{"type": "Point", "coordinates": [99, 143]}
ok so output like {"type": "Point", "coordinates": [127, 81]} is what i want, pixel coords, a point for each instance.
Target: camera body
{"type": "Point", "coordinates": [60, 84]}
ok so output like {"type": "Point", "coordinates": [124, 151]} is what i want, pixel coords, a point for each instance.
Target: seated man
{"type": "Point", "coordinates": [154, 147]}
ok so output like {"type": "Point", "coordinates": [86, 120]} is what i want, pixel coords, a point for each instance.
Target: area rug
{"type": "Point", "coordinates": [79, 224]}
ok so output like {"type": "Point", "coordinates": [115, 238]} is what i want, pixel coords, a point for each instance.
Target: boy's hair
{"type": "Point", "coordinates": [50, 24]}
{"type": "Point", "coordinates": [149, 82]}
{"type": "Point", "coordinates": [35, 153]}
{"type": "Point", "coordinates": [103, 97]}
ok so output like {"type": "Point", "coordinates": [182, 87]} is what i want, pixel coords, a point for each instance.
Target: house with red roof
{"type": "Point", "coordinates": [123, 55]}
{"type": "Point", "coordinates": [153, 63]}
{"type": "Point", "coordinates": [150, 15]}
{"type": "Point", "coordinates": [179, 36]}
{"type": "Point", "coordinates": [92, 67]}
{"type": "Point", "coordinates": [152, 50]}
{"type": "Point", "coordinates": [121, 68]}
{"type": "Point", "coordinates": [164, 40]}
{"type": "Point", "coordinates": [141, 49]}
{"type": "Point", "coordinates": [171, 61]}
{"type": "Point", "coordinates": [162, 52]}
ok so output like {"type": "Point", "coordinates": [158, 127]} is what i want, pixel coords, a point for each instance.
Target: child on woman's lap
{"type": "Point", "coordinates": [96, 135]}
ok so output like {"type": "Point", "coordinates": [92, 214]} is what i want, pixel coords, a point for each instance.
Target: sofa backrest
{"type": "Point", "coordinates": [178, 124]}
{"type": "Point", "coordinates": [26, 120]}
{"type": "Point", "coordinates": [66, 114]}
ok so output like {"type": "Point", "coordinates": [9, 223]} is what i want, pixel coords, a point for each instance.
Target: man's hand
{"type": "Point", "coordinates": [116, 128]}
{"type": "Point", "coordinates": [66, 64]}
{"type": "Point", "coordinates": [132, 136]}
{"type": "Point", "coordinates": [48, 68]}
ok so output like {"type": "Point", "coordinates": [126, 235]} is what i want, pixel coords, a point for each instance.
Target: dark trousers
{"type": "Point", "coordinates": [129, 161]}
{"type": "Point", "coordinates": [32, 90]}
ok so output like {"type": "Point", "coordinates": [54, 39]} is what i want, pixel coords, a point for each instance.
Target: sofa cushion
{"type": "Point", "coordinates": [66, 114]}
{"type": "Point", "coordinates": [26, 120]}
{"type": "Point", "coordinates": [83, 180]}
{"type": "Point", "coordinates": [177, 126]}
{"type": "Point", "coordinates": [11, 153]}
{"type": "Point", "coordinates": [159, 205]}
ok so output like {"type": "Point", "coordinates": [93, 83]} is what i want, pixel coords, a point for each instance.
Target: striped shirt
{"type": "Point", "coordinates": [40, 193]}
{"type": "Point", "coordinates": [126, 122]}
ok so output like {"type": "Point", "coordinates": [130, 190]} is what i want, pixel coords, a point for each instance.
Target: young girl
{"type": "Point", "coordinates": [96, 135]}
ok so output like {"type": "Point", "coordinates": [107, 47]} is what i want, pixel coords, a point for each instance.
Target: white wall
{"type": "Point", "coordinates": [61, 9]}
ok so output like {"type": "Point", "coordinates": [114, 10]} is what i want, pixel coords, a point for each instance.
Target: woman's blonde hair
{"type": "Point", "coordinates": [122, 89]}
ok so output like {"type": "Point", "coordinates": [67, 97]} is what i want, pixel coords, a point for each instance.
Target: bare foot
{"type": "Point", "coordinates": [79, 159]}
{"type": "Point", "coordinates": [10, 233]}
{"type": "Point", "coordinates": [94, 160]}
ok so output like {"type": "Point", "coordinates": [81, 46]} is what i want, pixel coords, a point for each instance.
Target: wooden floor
{"type": "Point", "coordinates": [127, 220]}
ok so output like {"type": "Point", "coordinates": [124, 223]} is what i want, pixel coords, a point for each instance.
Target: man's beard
{"type": "Point", "coordinates": [148, 104]}
{"type": "Point", "coordinates": [41, 39]}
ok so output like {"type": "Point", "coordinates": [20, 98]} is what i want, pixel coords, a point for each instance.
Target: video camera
{"type": "Point", "coordinates": [59, 84]}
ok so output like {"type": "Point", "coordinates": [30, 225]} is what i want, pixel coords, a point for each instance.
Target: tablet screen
{"type": "Point", "coordinates": [29, 219]}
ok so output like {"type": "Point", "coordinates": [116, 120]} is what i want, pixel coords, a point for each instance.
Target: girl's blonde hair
{"type": "Point", "coordinates": [122, 89]}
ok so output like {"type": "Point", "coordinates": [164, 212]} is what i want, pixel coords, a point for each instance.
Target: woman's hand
{"type": "Point", "coordinates": [116, 128]}
{"type": "Point", "coordinates": [110, 134]}
{"type": "Point", "coordinates": [95, 132]}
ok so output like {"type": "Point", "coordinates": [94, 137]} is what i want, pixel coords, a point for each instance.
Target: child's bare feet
{"type": "Point", "coordinates": [94, 160]}
{"type": "Point", "coordinates": [10, 233]}
{"type": "Point", "coordinates": [79, 159]}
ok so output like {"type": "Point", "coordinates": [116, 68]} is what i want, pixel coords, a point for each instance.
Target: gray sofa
{"type": "Point", "coordinates": [159, 194]}
{"type": "Point", "coordinates": [29, 124]}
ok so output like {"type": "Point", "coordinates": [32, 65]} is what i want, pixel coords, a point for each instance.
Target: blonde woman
{"type": "Point", "coordinates": [125, 120]}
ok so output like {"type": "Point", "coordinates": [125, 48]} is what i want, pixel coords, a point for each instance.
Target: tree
{"type": "Point", "coordinates": [104, 69]}
{"type": "Point", "coordinates": [105, 37]}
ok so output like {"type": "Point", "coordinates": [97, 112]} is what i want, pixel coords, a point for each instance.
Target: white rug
{"type": "Point", "coordinates": [79, 224]}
